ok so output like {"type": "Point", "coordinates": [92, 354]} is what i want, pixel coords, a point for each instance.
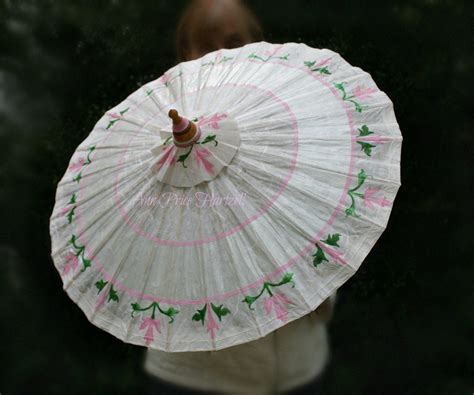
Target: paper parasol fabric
{"type": "Point", "coordinates": [260, 198]}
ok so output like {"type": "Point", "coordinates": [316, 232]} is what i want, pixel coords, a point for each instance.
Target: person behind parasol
{"type": "Point", "coordinates": [290, 357]}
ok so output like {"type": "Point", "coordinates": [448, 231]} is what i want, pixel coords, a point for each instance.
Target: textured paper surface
{"type": "Point", "coordinates": [290, 217]}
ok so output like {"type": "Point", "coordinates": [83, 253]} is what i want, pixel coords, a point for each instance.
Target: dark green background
{"type": "Point", "coordinates": [403, 323]}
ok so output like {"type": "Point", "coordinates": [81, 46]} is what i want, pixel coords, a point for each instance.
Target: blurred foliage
{"type": "Point", "coordinates": [403, 323]}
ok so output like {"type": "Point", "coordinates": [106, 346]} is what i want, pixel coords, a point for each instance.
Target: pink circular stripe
{"type": "Point", "coordinates": [241, 291]}
{"type": "Point", "coordinates": [180, 127]}
{"type": "Point", "coordinates": [238, 227]}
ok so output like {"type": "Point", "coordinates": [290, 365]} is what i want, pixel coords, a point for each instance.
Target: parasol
{"type": "Point", "coordinates": [227, 198]}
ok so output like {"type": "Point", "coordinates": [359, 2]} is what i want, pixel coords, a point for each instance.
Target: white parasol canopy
{"type": "Point", "coordinates": [285, 181]}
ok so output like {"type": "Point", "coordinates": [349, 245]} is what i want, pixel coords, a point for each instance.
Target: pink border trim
{"type": "Point", "coordinates": [240, 291]}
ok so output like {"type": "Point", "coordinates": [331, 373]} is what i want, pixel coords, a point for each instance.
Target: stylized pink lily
{"type": "Point", "coordinates": [165, 78]}
{"type": "Point", "coordinates": [212, 326]}
{"type": "Point", "coordinates": [150, 324]}
{"type": "Point", "coordinates": [212, 121]}
{"type": "Point", "coordinates": [272, 52]}
{"type": "Point", "coordinates": [362, 92]}
{"type": "Point", "coordinates": [101, 299]}
{"type": "Point", "coordinates": [114, 115]}
{"type": "Point", "coordinates": [201, 154]}
{"type": "Point", "coordinates": [323, 62]}
{"type": "Point", "coordinates": [72, 263]}
{"type": "Point", "coordinates": [370, 198]}
{"type": "Point", "coordinates": [280, 304]}
{"type": "Point", "coordinates": [373, 139]}
{"type": "Point", "coordinates": [77, 165]}
{"type": "Point", "coordinates": [336, 255]}
{"type": "Point", "coordinates": [167, 157]}
{"type": "Point", "coordinates": [218, 57]}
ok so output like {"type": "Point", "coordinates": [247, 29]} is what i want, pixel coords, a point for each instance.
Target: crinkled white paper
{"type": "Point", "coordinates": [207, 262]}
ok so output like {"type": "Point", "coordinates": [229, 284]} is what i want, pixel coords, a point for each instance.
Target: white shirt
{"type": "Point", "coordinates": [291, 356]}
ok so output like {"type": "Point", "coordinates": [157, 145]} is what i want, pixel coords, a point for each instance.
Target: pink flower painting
{"type": "Point", "coordinates": [373, 139]}
{"type": "Point", "coordinates": [212, 326]}
{"type": "Point", "coordinates": [77, 164]}
{"type": "Point", "coordinates": [273, 51]}
{"type": "Point", "coordinates": [279, 303]}
{"type": "Point", "coordinates": [167, 157]}
{"type": "Point", "coordinates": [363, 93]}
{"type": "Point", "coordinates": [323, 62]}
{"type": "Point", "coordinates": [200, 155]}
{"type": "Point", "coordinates": [165, 78]}
{"type": "Point", "coordinates": [372, 198]}
{"type": "Point", "coordinates": [212, 121]}
{"type": "Point", "coordinates": [72, 261]}
{"type": "Point", "coordinates": [151, 325]}
{"type": "Point", "coordinates": [101, 299]}
{"type": "Point", "coordinates": [336, 255]}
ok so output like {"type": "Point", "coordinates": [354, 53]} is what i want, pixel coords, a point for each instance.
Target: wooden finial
{"type": "Point", "coordinates": [185, 132]}
{"type": "Point", "coordinates": [173, 114]}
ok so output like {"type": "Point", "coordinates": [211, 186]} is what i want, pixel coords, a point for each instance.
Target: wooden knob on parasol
{"type": "Point", "coordinates": [185, 132]}
{"type": "Point", "coordinates": [173, 114]}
